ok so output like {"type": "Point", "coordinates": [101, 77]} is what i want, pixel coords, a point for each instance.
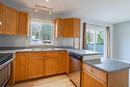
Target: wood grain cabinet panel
{"type": "Point", "coordinates": [20, 67]}
{"type": "Point", "coordinates": [71, 27]}
{"type": "Point", "coordinates": [35, 65]}
{"type": "Point", "coordinates": [76, 27]}
{"type": "Point", "coordinates": [68, 28]}
{"type": "Point", "coordinates": [99, 74]}
{"type": "Point", "coordinates": [58, 27]}
{"type": "Point", "coordinates": [62, 62]}
{"type": "Point", "coordinates": [51, 61]}
{"type": "Point", "coordinates": [1, 23]}
{"type": "Point", "coordinates": [10, 17]}
{"type": "Point", "coordinates": [90, 81]}
{"type": "Point", "coordinates": [32, 65]}
{"type": "Point", "coordinates": [23, 24]}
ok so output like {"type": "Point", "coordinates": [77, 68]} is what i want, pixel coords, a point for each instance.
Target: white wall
{"type": "Point", "coordinates": [121, 41]}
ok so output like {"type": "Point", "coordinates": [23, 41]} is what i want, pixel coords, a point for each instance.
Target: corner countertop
{"type": "Point", "coordinates": [108, 65]}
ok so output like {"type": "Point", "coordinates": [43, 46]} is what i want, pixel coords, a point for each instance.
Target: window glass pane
{"type": "Point", "coordinates": [99, 46]}
{"type": "Point", "coordinates": [90, 39]}
{"type": "Point", "coordinates": [95, 40]}
{"type": "Point", "coordinates": [42, 32]}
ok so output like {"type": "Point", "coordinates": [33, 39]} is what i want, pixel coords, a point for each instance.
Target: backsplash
{"type": "Point", "coordinates": [17, 41]}
{"type": "Point", "coordinates": [69, 42]}
{"type": "Point", "coordinates": [13, 41]}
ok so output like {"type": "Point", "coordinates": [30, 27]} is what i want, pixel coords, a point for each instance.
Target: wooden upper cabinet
{"type": "Point", "coordinates": [76, 27]}
{"type": "Point", "coordinates": [9, 20]}
{"type": "Point", "coordinates": [51, 61]}
{"type": "Point", "coordinates": [58, 27]}
{"type": "Point", "coordinates": [20, 67]}
{"type": "Point", "coordinates": [71, 28]}
{"type": "Point", "coordinates": [1, 19]}
{"type": "Point", "coordinates": [67, 28]}
{"type": "Point", "coordinates": [22, 24]}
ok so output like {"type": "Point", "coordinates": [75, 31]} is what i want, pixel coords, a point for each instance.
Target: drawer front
{"type": "Point", "coordinates": [36, 54]}
{"type": "Point", "coordinates": [97, 73]}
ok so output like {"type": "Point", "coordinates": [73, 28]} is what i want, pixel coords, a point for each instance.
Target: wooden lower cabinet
{"type": "Point", "coordinates": [51, 63]}
{"type": "Point", "coordinates": [90, 81]}
{"type": "Point", "coordinates": [30, 65]}
{"type": "Point", "coordinates": [63, 62]}
{"type": "Point", "coordinates": [35, 67]}
{"type": "Point", "coordinates": [93, 77]}
{"type": "Point", "coordinates": [20, 67]}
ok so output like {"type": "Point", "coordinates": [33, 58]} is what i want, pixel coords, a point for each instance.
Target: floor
{"type": "Point", "coordinates": [55, 81]}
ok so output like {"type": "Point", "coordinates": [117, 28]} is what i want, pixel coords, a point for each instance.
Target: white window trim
{"type": "Point", "coordinates": [30, 32]}
{"type": "Point", "coordinates": [101, 28]}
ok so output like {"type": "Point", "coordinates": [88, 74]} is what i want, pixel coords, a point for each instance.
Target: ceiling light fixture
{"type": "Point", "coordinates": [36, 10]}
{"type": "Point", "coordinates": [47, 0]}
{"type": "Point", "coordinates": [50, 12]}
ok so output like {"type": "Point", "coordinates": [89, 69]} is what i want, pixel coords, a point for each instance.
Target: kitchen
{"type": "Point", "coordinates": [42, 45]}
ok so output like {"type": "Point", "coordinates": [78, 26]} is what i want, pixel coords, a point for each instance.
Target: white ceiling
{"type": "Point", "coordinates": [111, 11]}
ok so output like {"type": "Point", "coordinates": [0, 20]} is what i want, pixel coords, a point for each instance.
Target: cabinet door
{"type": "Point", "coordinates": [22, 24]}
{"type": "Point", "coordinates": [62, 62]}
{"type": "Point", "coordinates": [35, 65]}
{"type": "Point", "coordinates": [51, 61]}
{"type": "Point", "coordinates": [90, 81]}
{"type": "Point", "coordinates": [9, 21]}
{"type": "Point", "coordinates": [77, 28]}
{"type": "Point", "coordinates": [68, 28]}
{"type": "Point", "coordinates": [58, 28]}
{"type": "Point", "coordinates": [20, 67]}
{"type": "Point", "coordinates": [1, 18]}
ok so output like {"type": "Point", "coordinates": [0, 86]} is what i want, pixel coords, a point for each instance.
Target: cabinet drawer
{"type": "Point", "coordinates": [97, 73]}
{"type": "Point", "coordinates": [36, 54]}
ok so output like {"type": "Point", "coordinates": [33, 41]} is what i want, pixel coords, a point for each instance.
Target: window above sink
{"type": "Point", "coordinates": [42, 32]}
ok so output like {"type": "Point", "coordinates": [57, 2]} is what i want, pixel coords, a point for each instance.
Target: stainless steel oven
{"type": "Point", "coordinates": [5, 66]}
{"type": "Point", "coordinates": [75, 63]}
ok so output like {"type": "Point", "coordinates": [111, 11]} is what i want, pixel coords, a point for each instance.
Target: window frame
{"type": "Point", "coordinates": [93, 27]}
{"type": "Point", "coordinates": [30, 32]}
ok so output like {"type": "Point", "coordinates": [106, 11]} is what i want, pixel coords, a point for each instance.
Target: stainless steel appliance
{"type": "Point", "coordinates": [75, 63]}
{"type": "Point", "coordinates": [5, 66]}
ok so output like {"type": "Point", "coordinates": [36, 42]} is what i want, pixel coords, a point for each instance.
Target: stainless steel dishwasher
{"type": "Point", "coordinates": [75, 63]}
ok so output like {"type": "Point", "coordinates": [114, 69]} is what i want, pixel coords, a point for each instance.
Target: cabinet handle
{"type": "Point", "coordinates": [36, 57]}
{"type": "Point", "coordinates": [91, 70]}
{"type": "Point", "coordinates": [44, 57]}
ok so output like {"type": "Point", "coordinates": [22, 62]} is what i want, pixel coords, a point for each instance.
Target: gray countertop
{"type": "Point", "coordinates": [108, 65]}
{"type": "Point", "coordinates": [83, 52]}
{"type": "Point", "coordinates": [31, 50]}
{"type": "Point", "coordinates": [77, 51]}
